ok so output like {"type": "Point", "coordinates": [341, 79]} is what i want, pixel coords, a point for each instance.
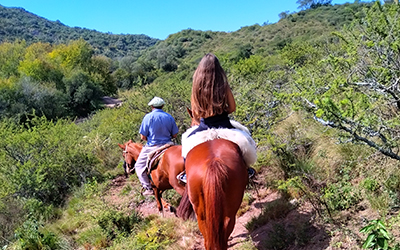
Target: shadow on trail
{"type": "Point", "coordinates": [282, 226]}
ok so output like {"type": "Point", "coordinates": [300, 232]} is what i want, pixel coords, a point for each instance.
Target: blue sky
{"type": "Point", "coordinates": [157, 18]}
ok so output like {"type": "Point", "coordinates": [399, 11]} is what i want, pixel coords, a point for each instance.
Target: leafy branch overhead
{"type": "Point", "coordinates": [354, 86]}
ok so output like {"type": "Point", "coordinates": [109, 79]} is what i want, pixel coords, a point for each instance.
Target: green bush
{"type": "Point", "coordinates": [155, 234]}
{"type": "Point", "coordinates": [32, 236]}
{"type": "Point", "coordinates": [27, 95]}
{"type": "Point", "coordinates": [341, 195]}
{"type": "Point", "coordinates": [41, 211]}
{"type": "Point", "coordinates": [117, 224]}
{"type": "Point", "coordinates": [106, 129]}
{"type": "Point", "coordinates": [370, 184]}
{"type": "Point", "coordinates": [43, 160]}
{"type": "Point", "coordinates": [93, 238]}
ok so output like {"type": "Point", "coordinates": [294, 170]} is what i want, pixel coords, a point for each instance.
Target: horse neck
{"type": "Point", "coordinates": [134, 150]}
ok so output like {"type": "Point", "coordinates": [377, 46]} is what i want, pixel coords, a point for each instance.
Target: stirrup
{"type": "Point", "coordinates": [182, 177]}
{"type": "Point", "coordinates": [251, 171]}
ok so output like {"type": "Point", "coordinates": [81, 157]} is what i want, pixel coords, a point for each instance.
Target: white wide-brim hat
{"type": "Point", "coordinates": [156, 102]}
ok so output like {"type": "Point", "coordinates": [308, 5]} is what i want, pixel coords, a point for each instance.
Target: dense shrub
{"type": "Point", "coordinates": [28, 96]}
{"type": "Point", "coordinates": [117, 224]}
{"type": "Point", "coordinates": [31, 235]}
{"type": "Point", "coordinates": [43, 160]}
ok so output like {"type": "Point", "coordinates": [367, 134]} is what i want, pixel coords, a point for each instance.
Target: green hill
{"type": "Point", "coordinates": [311, 25]}
{"type": "Point", "coordinates": [17, 23]}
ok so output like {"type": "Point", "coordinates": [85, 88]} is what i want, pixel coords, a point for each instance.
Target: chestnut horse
{"type": "Point", "coordinates": [163, 177]}
{"type": "Point", "coordinates": [216, 179]}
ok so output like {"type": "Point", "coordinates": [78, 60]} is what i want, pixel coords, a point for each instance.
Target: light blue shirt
{"type": "Point", "coordinates": [159, 127]}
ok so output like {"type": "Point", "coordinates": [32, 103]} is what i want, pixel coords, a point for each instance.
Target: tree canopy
{"type": "Point", "coordinates": [312, 4]}
{"type": "Point", "coordinates": [54, 80]}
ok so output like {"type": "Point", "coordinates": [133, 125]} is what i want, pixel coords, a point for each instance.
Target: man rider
{"type": "Point", "coordinates": [157, 128]}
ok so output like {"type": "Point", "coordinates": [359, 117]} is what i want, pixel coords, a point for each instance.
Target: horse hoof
{"type": "Point", "coordinates": [172, 209]}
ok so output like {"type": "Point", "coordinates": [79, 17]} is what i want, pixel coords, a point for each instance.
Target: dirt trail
{"type": "Point", "coordinates": [239, 235]}
{"type": "Point", "coordinates": [297, 229]}
{"type": "Point", "coordinates": [111, 102]}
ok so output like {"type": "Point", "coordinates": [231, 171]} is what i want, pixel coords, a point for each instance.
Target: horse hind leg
{"type": "Point", "coordinates": [203, 229]}
{"type": "Point", "coordinates": [229, 226]}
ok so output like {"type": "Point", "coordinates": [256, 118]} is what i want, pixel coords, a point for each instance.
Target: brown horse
{"type": "Point", "coordinates": [163, 177]}
{"type": "Point", "coordinates": [216, 179]}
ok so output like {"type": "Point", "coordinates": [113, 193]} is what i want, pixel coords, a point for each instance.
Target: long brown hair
{"type": "Point", "coordinates": [209, 89]}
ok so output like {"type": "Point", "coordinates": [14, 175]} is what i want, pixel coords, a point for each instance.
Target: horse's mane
{"type": "Point", "coordinates": [133, 148]}
{"type": "Point", "coordinates": [135, 145]}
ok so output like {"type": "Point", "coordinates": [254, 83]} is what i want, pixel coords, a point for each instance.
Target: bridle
{"type": "Point", "coordinates": [126, 164]}
{"type": "Point", "coordinates": [125, 151]}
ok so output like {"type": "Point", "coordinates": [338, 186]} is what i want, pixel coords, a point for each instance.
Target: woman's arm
{"type": "Point", "coordinates": [231, 101]}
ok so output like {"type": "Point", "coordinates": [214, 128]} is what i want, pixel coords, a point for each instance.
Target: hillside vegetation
{"type": "Point", "coordinates": [319, 91]}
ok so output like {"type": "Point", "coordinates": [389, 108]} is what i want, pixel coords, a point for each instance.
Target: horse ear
{"type": "Point", "coordinates": [190, 112]}
{"type": "Point", "coordinates": [121, 146]}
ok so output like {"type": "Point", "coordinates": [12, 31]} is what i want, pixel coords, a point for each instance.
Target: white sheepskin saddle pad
{"type": "Point", "coordinates": [240, 135]}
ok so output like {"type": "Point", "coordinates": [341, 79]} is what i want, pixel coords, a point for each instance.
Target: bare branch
{"type": "Point", "coordinates": [387, 152]}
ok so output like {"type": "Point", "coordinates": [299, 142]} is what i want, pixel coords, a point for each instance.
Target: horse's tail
{"type": "Point", "coordinates": [185, 208]}
{"type": "Point", "coordinates": [214, 180]}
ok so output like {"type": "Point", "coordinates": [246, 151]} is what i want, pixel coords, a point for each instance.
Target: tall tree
{"type": "Point", "coordinates": [10, 56]}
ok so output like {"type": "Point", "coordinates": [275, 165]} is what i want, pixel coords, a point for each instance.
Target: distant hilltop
{"type": "Point", "coordinates": [17, 23]}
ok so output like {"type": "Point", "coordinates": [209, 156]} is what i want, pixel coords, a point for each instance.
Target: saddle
{"type": "Point", "coordinates": [239, 135]}
{"type": "Point", "coordinates": [154, 157]}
